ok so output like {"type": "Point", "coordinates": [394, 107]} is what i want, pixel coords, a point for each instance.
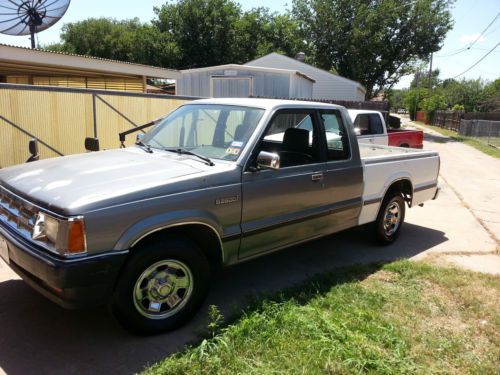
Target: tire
{"type": "Point", "coordinates": [390, 219]}
{"type": "Point", "coordinates": [162, 287]}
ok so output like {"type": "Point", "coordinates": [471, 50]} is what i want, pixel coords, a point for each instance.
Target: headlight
{"type": "Point", "coordinates": [64, 236]}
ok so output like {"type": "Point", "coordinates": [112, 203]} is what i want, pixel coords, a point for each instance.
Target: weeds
{"type": "Point", "coordinates": [404, 318]}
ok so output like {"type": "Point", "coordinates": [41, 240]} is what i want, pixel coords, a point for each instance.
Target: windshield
{"type": "Point", "coordinates": [211, 130]}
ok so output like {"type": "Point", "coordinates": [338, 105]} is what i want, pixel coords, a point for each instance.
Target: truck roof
{"type": "Point", "coordinates": [356, 111]}
{"type": "Point", "coordinates": [266, 103]}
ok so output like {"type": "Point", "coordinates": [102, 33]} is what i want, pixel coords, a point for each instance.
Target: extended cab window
{"type": "Point", "coordinates": [336, 135]}
{"type": "Point", "coordinates": [292, 135]}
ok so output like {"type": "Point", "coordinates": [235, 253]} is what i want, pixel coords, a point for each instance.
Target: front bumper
{"type": "Point", "coordinates": [71, 283]}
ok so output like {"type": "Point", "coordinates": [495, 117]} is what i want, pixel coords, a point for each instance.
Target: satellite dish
{"type": "Point", "coordinates": [28, 17]}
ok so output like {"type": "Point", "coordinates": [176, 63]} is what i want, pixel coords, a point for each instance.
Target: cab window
{"type": "Point", "coordinates": [292, 135]}
{"type": "Point", "coordinates": [336, 135]}
{"type": "Point", "coordinates": [369, 124]}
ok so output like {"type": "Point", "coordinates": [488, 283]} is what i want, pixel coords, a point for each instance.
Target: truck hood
{"type": "Point", "coordinates": [78, 183]}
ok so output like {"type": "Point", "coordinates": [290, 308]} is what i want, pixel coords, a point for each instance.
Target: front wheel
{"type": "Point", "coordinates": [390, 219]}
{"type": "Point", "coordinates": [162, 286]}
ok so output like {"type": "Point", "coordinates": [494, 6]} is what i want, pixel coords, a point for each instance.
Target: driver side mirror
{"type": "Point", "coordinates": [33, 149]}
{"type": "Point", "coordinates": [357, 131]}
{"type": "Point", "coordinates": [91, 144]}
{"type": "Point", "coordinates": [268, 160]}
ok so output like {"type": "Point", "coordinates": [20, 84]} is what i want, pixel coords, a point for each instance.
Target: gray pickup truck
{"type": "Point", "coordinates": [215, 183]}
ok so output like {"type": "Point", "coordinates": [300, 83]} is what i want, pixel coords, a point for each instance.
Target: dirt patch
{"type": "Point", "coordinates": [444, 309]}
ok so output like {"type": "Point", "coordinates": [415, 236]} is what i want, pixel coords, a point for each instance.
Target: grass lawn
{"type": "Point", "coordinates": [400, 318]}
{"type": "Point", "coordinates": [474, 142]}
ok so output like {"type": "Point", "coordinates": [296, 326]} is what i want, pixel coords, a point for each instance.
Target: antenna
{"type": "Point", "coordinates": [28, 17]}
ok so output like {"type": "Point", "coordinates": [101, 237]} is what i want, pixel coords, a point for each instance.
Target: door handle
{"type": "Point", "coordinates": [317, 176]}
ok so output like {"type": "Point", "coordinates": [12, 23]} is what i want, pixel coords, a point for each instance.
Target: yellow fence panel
{"type": "Point", "coordinates": [139, 112]}
{"type": "Point", "coordinates": [63, 118]}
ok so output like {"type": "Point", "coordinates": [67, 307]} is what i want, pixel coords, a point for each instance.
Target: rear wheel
{"type": "Point", "coordinates": [390, 219]}
{"type": "Point", "coordinates": [162, 287]}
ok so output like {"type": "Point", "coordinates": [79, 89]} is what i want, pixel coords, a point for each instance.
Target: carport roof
{"type": "Point", "coordinates": [22, 59]}
{"type": "Point", "coordinates": [249, 67]}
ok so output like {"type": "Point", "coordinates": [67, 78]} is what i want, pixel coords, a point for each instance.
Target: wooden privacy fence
{"type": "Point", "coordinates": [375, 106]}
{"type": "Point", "coordinates": [381, 106]}
{"type": "Point", "coordinates": [448, 119]}
{"type": "Point", "coordinates": [488, 116]}
{"type": "Point", "coordinates": [61, 118]}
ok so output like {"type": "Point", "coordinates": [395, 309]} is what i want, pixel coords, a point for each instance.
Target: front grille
{"type": "Point", "coordinates": [17, 213]}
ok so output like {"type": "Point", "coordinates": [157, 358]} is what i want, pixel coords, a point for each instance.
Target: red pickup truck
{"type": "Point", "coordinates": [371, 128]}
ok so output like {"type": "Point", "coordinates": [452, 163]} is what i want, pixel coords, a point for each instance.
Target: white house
{"type": "Point", "coordinates": [240, 81]}
{"type": "Point", "coordinates": [327, 85]}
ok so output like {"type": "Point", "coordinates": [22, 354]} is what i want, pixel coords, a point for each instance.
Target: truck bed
{"type": "Point", "coordinates": [385, 164]}
{"type": "Point", "coordinates": [374, 152]}
{"type": "Point", "coordinates": [405, 137]}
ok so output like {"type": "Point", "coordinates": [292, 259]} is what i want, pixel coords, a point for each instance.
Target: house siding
{"type": "Point", "coordinates": [327, 86]}
{"type": "Point", "coordinates": [264, 83]}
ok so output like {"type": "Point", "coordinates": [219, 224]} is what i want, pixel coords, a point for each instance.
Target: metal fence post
{"type": "Point", "coordinates": [489, 133]}
{"type": "Point", "coordinates": [94, 114]}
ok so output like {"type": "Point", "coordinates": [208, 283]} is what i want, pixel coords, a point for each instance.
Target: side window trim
{"type": "Point", "coordinates": [345, 129]}
{"type": "Point", "coordinates": [316, 127]}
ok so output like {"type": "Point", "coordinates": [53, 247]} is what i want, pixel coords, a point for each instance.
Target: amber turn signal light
{"type": "Point", "coordinates": [76, 237]}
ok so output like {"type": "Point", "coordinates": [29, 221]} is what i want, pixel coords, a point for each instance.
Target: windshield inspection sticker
{"type": "Point", "coordinates": [234, 148]}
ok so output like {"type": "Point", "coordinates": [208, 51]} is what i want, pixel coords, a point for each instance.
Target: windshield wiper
{"type": "Point", "coordinates": [144, 146]}
{"type": "Point", "coordinates": [183, 151]}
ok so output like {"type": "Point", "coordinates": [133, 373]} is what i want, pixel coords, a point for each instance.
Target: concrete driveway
{"type": "Point", "coordinates": [473, 175]}
{"type": "Point", "coordinates": [38, 337]}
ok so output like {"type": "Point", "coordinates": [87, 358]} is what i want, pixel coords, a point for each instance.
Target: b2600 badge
{"type": "Point", "coordinates": [226, 200]}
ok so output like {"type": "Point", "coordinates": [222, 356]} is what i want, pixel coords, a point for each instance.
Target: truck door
{"type": "Point", "coordinates": [343, 175]}
{"type": "Point", "coordinates": [371, 129]}
{"type": "Point", "coordinates": [285, 206]}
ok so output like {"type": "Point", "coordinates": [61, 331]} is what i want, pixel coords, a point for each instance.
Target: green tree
{"type": "Point", "coordinates": [127, 40]}
{"type": "Point", "coordinates": [466, 92]}
{"type": "Point", "coordinates": [373, 42]}
{"type": "Point", "coordinates": [205, 31]}
{"type": "Point", "coordinates": [421, 79]}
{"type": "Point", "coordinates": [281, 35]}
{"type": "Point", "coordinates": [396, 98]}
{"type": "Point", "coordinates": [491, 97]}
{"type": "Point", "coordinates": [413, 100]}
{"type": "Point", "coordinates": [432, 104]}
{"type": "Point", "coordinates": [214, 32]}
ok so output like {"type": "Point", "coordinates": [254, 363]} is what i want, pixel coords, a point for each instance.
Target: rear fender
{"type": "Point", "coordinates": [399, 176]}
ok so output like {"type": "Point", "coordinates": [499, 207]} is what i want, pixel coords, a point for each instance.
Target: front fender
{"type": "Point", "coordinates": [158, 222]}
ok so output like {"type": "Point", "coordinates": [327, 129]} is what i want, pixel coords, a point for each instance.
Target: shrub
{"type": "Point", "coordinates": [432, 104]}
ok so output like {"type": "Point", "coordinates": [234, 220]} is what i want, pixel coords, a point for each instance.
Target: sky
{"type": "Point", "coordinates": [471, 18]}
